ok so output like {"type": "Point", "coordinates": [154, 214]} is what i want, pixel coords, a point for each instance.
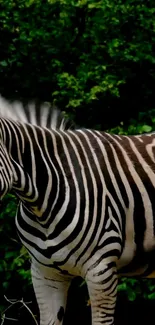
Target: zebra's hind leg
{"type": "Point", "coordinates": [102, 287]}
{"type": "Point", "coordinates": [51, 291]}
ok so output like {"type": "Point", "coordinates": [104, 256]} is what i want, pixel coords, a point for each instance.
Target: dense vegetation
{"type": "Point", "coordinates": [91, 57]}
{"type": "Point", "coordinates": [95, 60]}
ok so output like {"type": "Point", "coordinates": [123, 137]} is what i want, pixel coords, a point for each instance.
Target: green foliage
{"type": "Point", "coordinates": [80, 54]}
{"type": "Point", "coordinates": [137, 288]}
{"type": "Point", "coordinates": [144, 123]}
{"type": "Point", "coordinates": [14, 261]}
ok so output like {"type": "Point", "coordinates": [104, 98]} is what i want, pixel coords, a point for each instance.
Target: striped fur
{"type": "Point", "coordinates": [87, 208]}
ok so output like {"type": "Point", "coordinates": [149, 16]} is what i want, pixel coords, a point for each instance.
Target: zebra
{"type": "Point", "coordinates": [86, 209]}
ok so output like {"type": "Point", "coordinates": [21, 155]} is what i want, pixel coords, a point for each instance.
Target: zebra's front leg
{"type": "Point", "coordinates": [51, 291]}
{"type": "Point", "coordinates": [102, 287]}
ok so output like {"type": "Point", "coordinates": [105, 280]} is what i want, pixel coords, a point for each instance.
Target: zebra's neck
{"type": "Point", "coordinates": [33, 170]}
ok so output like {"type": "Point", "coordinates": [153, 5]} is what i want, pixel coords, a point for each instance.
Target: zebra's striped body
{"type": "Point", "coordinates": [87, 208]}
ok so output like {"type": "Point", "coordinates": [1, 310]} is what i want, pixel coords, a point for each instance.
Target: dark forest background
{"type": "Point", "coordinates": [95, 60]}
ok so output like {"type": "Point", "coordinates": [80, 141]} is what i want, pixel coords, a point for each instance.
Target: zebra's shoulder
{"type": "Point", "coordinates": [36, 113]}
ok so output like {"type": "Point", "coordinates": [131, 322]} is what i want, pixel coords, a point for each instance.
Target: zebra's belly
{"type": "Point", "coordinates": [141, 265]}
{"type": "Point", "coordinates": [48, 263]}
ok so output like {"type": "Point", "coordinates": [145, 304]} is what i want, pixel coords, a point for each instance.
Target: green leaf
{"type": "Point", "coordinates": [131, 294]}
{"type": "Point", "coordinates": [146, 128]}
{"type": "Point", "coordinates": [122, 287]}
{"type": "Point", "coordinates": [3, 63]}
{"type": "Point", "coordinates": [151, 296]}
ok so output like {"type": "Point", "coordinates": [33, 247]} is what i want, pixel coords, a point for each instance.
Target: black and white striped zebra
{"type": "Point", "coordinates": [87, 206]}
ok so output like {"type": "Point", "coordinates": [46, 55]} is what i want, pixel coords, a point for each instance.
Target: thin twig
{"type": "Point", "coordinates": [29, 311]}
{"type": "Point", "coordinates": [12, 303]}
{"type": "Point", "coordinates": [9, 318]}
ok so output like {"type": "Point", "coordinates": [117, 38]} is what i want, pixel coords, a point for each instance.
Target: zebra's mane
{"type": "Point", "coordinates": [43, 115]}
